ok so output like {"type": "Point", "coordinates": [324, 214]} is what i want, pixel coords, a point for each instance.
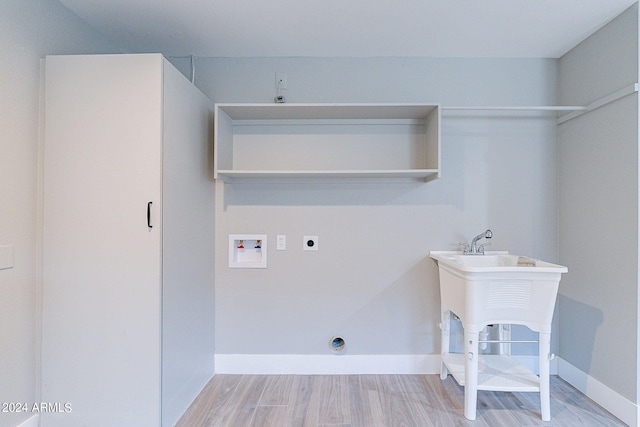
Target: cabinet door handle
{"type": "Point", "coordinates": [149, 215]}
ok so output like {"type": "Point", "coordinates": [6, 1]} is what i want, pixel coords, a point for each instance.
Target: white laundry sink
{"type": "Point", "coordinates": [496, 288]}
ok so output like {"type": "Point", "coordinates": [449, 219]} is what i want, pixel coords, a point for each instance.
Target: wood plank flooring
{"type": "Point", "coordinates": [378, 401]}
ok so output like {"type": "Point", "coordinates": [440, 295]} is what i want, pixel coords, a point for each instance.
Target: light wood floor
{"type": "Point", "coordinates": [377, 401]}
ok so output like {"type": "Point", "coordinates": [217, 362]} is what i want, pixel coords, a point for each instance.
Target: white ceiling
{"type": "Point", "coordinates": [351, 28]}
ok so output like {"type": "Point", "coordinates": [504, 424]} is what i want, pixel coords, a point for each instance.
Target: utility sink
{"type": "Point", "coordinates": [496, 288]}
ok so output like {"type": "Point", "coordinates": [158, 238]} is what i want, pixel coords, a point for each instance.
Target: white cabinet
{"type": "Point", "coordinates": [284, 141]}
{"type": "Point", "coordinates": [128, 241]}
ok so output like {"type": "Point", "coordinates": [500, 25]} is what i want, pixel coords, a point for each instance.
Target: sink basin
{"type": "Point", "coordinates": [495, 261]}
{"type": "Point", "coordinates": [498, 288]}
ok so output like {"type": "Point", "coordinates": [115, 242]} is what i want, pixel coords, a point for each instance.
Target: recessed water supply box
{"type": "Point", "coordinates": [247, 251]}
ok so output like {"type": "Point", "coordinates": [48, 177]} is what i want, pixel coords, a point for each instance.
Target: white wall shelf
{"type": "Point", "coordinates": [316, 141]}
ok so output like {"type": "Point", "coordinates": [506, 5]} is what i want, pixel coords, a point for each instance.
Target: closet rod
{"type": "Point", "coordinates": [520, 108]}
{"type": "Point", "coordinates": [632, 88]}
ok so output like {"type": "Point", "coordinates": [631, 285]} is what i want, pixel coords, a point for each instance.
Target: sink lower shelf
{"type": "Point", "coordinates": [495, 372]}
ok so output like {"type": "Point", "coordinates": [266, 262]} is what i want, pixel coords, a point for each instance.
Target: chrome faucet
{"type": "Point", "coordinates": [474, 249]}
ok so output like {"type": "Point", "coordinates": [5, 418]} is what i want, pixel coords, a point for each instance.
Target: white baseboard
{"type": "Point", "coordinates": [306, 364]}
{"type": "Point", "coordinates": [618, 405]}
{"type": "Point", "coordinates": [33, 421]}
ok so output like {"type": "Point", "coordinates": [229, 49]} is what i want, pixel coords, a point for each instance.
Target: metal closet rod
{"type": "Point", "coordinates": [628, 90]}
{"type": "Point", "coordinates": [573, 110]}
{"type": "Point", "coordinates": [521, 108]}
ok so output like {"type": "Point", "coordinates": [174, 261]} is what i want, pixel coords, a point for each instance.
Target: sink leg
{"type": "Point", "coordinates": [445, 326]}
{"type": "Point", "coordinates": [470, 374]}
{"type": "Point", "coordinates": [504, 334]}
{"type": "Point", "coordinates": [545, 352]}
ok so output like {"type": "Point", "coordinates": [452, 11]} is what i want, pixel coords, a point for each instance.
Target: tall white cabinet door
{"type": "Point", "coordinates": [101, 261]}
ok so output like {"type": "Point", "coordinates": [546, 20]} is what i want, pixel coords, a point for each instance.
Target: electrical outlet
{"type": "Point", "coordinates": [281, 81]}
{"type": "Point", "coordinates": [310, 243]}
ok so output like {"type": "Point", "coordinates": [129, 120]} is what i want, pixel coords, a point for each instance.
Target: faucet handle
{"type": "Point", "coordinates": [481, 247]}
{"type": "Point", "coordinates": [465, 247]}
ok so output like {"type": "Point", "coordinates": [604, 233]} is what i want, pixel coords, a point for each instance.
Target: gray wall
{"type": "Point", "coordinates": [371, 280]}
{"type": "Point", "coordinates": [29, 29]}
{"type": "Point", "coordinates": [598, 302]}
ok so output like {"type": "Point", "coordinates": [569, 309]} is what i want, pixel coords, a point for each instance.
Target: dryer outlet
{"type": "Point", "coordinates": [310, 243]}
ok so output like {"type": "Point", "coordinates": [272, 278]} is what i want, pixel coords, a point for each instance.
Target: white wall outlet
{"type": "Point", "coordinates": [310, 243]}
{"type": "Point", "coordinates": [281, 242]}
{"type": "Point", "coordinates": [281, 81]}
